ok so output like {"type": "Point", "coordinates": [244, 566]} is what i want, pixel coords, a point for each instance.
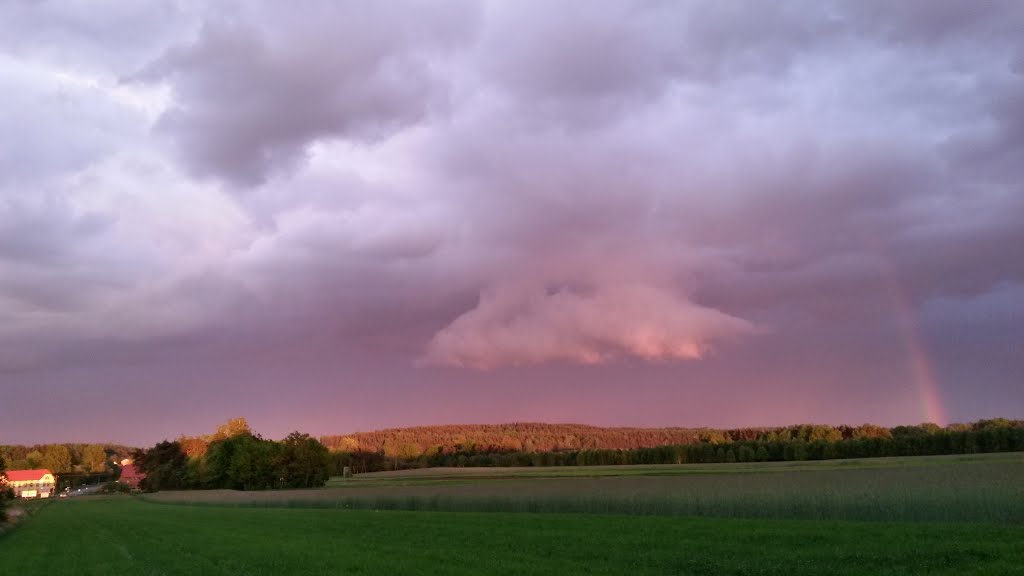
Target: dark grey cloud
{"type": "Point", "coordinates": [255, 88]}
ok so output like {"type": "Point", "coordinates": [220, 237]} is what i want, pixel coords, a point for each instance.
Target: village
{"type": "Point", "coordinates": [43, 483]}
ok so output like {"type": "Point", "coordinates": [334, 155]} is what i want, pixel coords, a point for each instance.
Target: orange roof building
{"type": "Point", "coordinates": [39, 483]}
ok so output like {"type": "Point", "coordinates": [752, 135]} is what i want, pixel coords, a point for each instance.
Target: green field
{"type": "Point", "coordinates": [900, 462]}
{"type": "Point", "coordinates": [127, 535]}
{"type": "Point", "coordinates": [952, 515]}
{"type": "Point", "coordinates": [976, 488]}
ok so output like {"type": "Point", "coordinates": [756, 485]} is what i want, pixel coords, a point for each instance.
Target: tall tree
{"type": "Point", "coordinates": [165, 466]}
{"type": "Point", "coordinates": [231, 428]}
{"type": "Point", "coordinates": [57, 458]}
{"type": "Point", "coordinates": [94, 458]}
{"type": "Point", "coordinates": [34, 459]}
{"type": "Point", "coordinates": [303, 462]}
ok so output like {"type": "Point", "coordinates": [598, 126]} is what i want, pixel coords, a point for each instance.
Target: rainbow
{"type": "Point", "coordinates": [918, 361]}
{"type": "Point", "coordinates": [920, 364]}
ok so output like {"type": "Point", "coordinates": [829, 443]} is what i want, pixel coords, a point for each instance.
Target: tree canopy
{"type": "Point", "coordinates": [237, 459]}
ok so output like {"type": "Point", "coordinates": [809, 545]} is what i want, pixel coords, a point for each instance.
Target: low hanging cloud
{"type": "Point", "coordinates": [534, 326]}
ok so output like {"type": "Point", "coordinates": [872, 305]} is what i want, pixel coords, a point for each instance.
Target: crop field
{"type": "Point", "coordinates": [427, 474]}
{"type": "Point", "coordinates": [959, 515]}
{"type": "Point", "coordinates": [95, 536]}
{"type": "Point", "coordinates": [978, 488]}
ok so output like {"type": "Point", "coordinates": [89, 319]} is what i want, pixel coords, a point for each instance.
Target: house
{"type": "Point", "coordinates": [131, 475]}
{"type": "Point", "coordinates": [30, 483]}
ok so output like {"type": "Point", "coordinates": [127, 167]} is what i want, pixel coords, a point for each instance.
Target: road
{"type": "Point", "coordinates": [86, 489]}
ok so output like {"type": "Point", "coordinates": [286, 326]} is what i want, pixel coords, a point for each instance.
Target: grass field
{"type": "Point", "coordinates": [128, 535]}
{"type": "Point", "coordinates": [941, 515]}
{"type": "Point", "coordinates": [979, 488]}
{"type": "Point", "coordinates": [435, 474]}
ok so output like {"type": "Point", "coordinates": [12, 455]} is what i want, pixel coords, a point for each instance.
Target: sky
{"type": "Point", "coordinates": [333, 216]}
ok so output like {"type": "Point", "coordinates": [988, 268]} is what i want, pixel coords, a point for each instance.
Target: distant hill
{"type": "Point", "coordinates": [539, 437]}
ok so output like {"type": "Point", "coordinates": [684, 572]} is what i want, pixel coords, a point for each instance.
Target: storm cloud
{"type": "Point", "coordinates": [725, 200]}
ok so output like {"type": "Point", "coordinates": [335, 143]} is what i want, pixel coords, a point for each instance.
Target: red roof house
{"type": "Point", "coordinates": [30, 483]}
{"type": "Point", "coordinates": [131, 476]}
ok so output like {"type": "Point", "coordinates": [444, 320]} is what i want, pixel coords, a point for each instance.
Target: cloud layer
{"type": "Point", "coordinates": [516, 187]}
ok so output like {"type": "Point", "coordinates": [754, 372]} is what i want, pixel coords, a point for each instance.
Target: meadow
{"type": "Point", "coordinates": [128, 535]}
{"type": "Point", "coordinates": [952, 515]}
{"type": "Point", "coordinates": [974, 488]}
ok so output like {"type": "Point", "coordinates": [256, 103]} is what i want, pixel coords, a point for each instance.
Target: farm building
{"type": "Point", "coordinates": [131, 476]}
{"type": "Point", "coordinates": [30, 483]}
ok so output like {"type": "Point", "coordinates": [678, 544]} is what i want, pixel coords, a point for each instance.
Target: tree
{"type": "Point", "coordinates": [252, 463]}
{"type": "Point", "coordinates": [165, 467]}
{"type": "Point", "coordinates": [193, 447]}
{"type": "Point", "coordinates": [241, 462]}
{"type": "Point", "coordinates": [58, 458]}
{"type": "Point", "coordinates": [33, 459]}
{"type": "Point", "coordinates": [231, 428]}
{"type": "Point", "coordinates": [303, 462]}
{"type": "Point", "coordinates": [94, 458]}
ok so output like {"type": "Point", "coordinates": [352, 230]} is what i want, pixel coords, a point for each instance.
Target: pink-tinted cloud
{"type": "Point", "coordinates": [533, 326]}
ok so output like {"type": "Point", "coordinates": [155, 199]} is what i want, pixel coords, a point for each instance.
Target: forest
{"type": "Point", "coordinates": [484, 446]}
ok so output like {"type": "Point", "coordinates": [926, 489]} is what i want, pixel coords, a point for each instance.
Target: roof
{"type": "Point", "coordinates": [23, 475]}
{"type": "Point", "coordinates": [130, 471]}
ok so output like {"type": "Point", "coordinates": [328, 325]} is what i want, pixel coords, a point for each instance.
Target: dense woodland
{"type": "Point", "coordinates": [235, 458]}
{"type": "Point", "coordinates": [483, 445]}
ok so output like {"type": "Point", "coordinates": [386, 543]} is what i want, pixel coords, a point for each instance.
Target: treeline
{"type": "Point", "coordinates": [415, 443]}
{"type": "Point", "coordinates": [803, 442]}
{"type": "Point", "coordinates": [527, 437]}
{"type": "Point", "coordinates": [66, 458]}
{"type": "Point", "coordinates": [411, 443]}
{"type": "Point", "coordinates": [235, 458]}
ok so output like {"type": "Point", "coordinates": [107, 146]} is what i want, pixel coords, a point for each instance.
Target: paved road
{"type": "Point", "coordinates": [86, 489]}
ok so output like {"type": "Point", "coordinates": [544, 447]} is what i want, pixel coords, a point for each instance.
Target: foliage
{"type": "Point", "coordinates": [196, 446]}
{"type": "Point", "coordinates": [792, 443]}
{"type": "Point", "coordinates": [238, 460]}
{"type": "Point", "coordinates": [241, 462]}
{"type": "Point", "coordinates": [84, 458]}
{"type": "Point", "coordinates": [164, 466]}
{"type": "Point", "coordinates": [57, 458]}
{"type": "Point", "coordinates": [94, 458]}
{"type": "Point", "coordinates": [303, 461]}
{"type": "Point", "coordinates": [165, 539]}
{"type": "Point", "coordinates": [231, 428]}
